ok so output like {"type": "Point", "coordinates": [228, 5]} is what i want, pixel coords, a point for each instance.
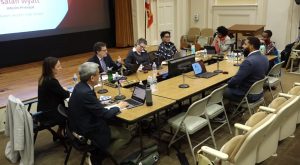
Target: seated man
{"type": "Point", "coordinates": [166, 49]}
{"type": "Point", "coordinates": [89, 118]}
{"type": "Point", "coordinates": [253, 68]}
{"type": "Point", "coordinates": [137, 55]}
{"type": "Point", "coordinates": [270, 45]}
{"type": "Point", "coordinates": [103, 59]}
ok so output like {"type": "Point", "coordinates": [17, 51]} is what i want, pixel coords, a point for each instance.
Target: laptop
{"type": "Point", "coordinates": [200, 71]}
{"type": "Point", "coordinates": [210, 49]}
{"type": "Point", "coordinates": [130, 70]}
{"type": "Point", "coordinates": [138, 97]}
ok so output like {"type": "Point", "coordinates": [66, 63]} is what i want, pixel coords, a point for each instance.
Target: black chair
{"type": "Point", "coordinates": [79, 142]}
{"type": "Point", "coordinates": [39, 125]}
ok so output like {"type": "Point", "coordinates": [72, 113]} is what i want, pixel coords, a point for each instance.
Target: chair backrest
{"type": "Point", "coordinates": [276, 70]}
{"type": "Point", "coordinates": [62, 110]}
{"type": "Point", "coordinates": [257, 87]}
{"type": "Point", "coordinates": [207, 32]}
{"type": "Point", "coordinates": [217, 95]}
{"type": "Point", "coordinates": [193, 33]}
{"type": "Point", "coordinates": [247, 152]}
{"type": "Point", "coordinates": [197, 108]}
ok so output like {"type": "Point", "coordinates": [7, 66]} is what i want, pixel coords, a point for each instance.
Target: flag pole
{"type": "Point", "coordinates": [145, 20]}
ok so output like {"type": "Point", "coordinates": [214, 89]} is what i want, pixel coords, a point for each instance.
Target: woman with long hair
{"type": "Point", "coordinates": [51, 93]}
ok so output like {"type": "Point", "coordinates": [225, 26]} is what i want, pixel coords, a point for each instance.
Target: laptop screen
{"type": "Point", "coordinates": [197, 68]}
{"type": "Point", "coordinates": [139, 94]}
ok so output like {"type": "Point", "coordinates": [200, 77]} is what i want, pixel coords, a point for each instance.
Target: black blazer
{"type": "Point", "coordinates": [50, 95]}
{"type": "Point", "coordinates": [108, 61]}
{"type": "Point", "coordinates": [88, 116]}
{"type": "Point", "coordinates": [253, 68]}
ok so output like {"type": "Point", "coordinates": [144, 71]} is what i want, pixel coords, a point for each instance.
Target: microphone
{"type": "Point", "coordinates": [184, 68]}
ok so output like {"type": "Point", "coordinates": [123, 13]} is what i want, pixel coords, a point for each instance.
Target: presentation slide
{"type": "Point", "coordinates": [21, 19]}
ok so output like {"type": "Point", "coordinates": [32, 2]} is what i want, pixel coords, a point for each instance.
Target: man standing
{"type": "Point", "coordinates": [103, 59]}
{"type": "Point", "coordinates": [253, 68]}
{"type": "Point", "coordinates": [89, 118]}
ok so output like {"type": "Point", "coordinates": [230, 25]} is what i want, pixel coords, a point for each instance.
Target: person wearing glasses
{"type": "Point", "coordinates": [166, 49]}
{"type": "Point", "coordinates": [103, 59]}
{"type": "Point", "coordinates": [137, 55]}
{"type": "Point", "coordinates": [222, 40]}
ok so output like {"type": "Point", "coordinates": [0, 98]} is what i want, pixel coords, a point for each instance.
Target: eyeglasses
{"type": "Point", "coordinates": [143, 47]}
{"type": "Point", "coordinates": [105, 50]}
{"type": "Point", "coordinates": [167, 36]}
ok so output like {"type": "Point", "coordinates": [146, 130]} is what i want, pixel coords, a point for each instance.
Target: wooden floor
{"type": "Point", "coordinates": [21, 81]}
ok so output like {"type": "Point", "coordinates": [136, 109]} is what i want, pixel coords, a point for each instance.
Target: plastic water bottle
{"type": "Point", "coordinates": [149, 80]}
{"type": "Point", "coordinates": [140, 67]}
{"type": "Point", "coordinates": [154, 69]}
{"type": "Point", "coordinates": [75, 78]}
{"type": "Point", "coordinates": [193, 50]}
{"type": "Point", "coordinates": [205, 53]}
{"type": "Point", "coordinates": [262, 49]}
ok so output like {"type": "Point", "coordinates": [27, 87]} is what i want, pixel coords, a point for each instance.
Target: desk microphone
{"type": "Point", "coordinates": [183, 85]}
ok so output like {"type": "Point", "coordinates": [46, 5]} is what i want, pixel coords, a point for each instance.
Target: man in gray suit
{"type": "Point", "coordinates": [253, 68]}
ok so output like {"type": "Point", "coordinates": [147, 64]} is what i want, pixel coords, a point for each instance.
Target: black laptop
{"type": "Point", "coordinates": [200, 71]}
{"type": "Point", "coordinates": [138, 97]}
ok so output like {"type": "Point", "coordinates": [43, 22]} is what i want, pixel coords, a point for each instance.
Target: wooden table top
{"type": "Point", "coordinates": [170, 89]}
{"type": "Point", "coordinates": [134, 114]}
{"type": "Point", "coordinates": [243, 28]}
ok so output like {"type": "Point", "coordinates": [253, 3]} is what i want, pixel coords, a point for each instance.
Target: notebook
{"type": "Point", "coordinates": [200, 71]}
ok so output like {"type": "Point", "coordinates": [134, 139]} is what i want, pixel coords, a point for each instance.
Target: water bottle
{"type": "Point", "coordinates": [149, 80]}
{"type": "Point", "coordinates": [75, 78]}
{"type": "Point", "coordinates": [140, 67]}
{"type": "Point", "coordinates": [154, 69]}
{"type": "Point", "coordinates": [193, 49]}
{"type": "Point", "coordinates": [149, 101]}
{"type": "Point", "coordinates": [109, 74]}
{"type": "Point", "coordinates": [205, 53]}
{"type": "Point", "coordinates": [262, 49]}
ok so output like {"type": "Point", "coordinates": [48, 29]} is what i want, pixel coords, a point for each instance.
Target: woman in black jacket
{"type": "Point", "coordinates": [51, 93]}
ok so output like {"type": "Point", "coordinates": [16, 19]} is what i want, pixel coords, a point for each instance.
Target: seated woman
{"type": "Point", "coordinates": [51, 93]}
{"type": "Point", "coordinates": [137, 55]}
{"type": "Point", "coordinates": [222, 40]}
{"type": "Point", "coordinates": [166, 49]}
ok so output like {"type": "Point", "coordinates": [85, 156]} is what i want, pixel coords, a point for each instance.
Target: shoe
{"type": "Point", "coordinates": [219, 119]}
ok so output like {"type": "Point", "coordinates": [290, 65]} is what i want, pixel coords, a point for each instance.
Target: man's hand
{"type": "Point", "coordinates": [119, 60]}
{"type": "Point", "coordinates": [122, 104]}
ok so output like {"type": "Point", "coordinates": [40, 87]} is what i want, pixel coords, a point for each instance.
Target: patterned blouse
{"type": "Point", "coordinates": [166, 50]}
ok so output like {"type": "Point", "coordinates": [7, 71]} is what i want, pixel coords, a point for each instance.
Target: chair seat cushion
{"type": "Point", "coordinates": [272, 80]}
{"type": "Point", "coordinates": [213, 110]}
{"type": "Point", "coordinates": [277, 102]}
{"type": "Point", "coordinates": [255, 118]}
{"type": "Point", "coordinates": [295, 91]}
{"type": "Point", "coordinates": [232, 146]}
{"type": "Point", "coordinates": [192, 123]}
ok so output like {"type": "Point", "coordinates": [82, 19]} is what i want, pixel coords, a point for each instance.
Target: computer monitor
{"type": "Point", "coordinates": [180, 65]}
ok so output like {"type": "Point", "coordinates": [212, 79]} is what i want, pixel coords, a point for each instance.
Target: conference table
{"type": "Point", "coordinates": [245, 29]}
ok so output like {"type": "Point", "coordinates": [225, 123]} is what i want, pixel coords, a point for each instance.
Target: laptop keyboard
{"type": "Point", "coordinates": [133, 102]}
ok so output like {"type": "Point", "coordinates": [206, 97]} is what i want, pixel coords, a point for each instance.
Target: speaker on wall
{"type": "Point", "coordinates": [298, 2]}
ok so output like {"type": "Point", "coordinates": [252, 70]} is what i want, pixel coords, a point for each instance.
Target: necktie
{"type": "Point", "coordinates": [103, 65]}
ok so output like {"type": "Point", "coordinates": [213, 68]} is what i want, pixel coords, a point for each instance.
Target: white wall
{"type": "Point", "coordinates": [280, 16]}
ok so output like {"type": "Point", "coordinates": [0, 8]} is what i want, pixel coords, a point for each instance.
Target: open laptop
{"type": "Point", "coordinates": [200, 71]}
{"type": "Point", "coordinates": [137, 98]}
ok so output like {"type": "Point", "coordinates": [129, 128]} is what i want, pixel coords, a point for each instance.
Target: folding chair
{"type": "Point", "coordinates": [274, 76]}
{"type": "Point", "coordinates": [190, 122]}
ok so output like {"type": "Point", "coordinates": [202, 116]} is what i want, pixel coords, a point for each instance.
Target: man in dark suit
{"type": "Point", "coordinates": [103, 59]}
{"type": "Point", "coordinates": [89, 118]}
{"type": "Point", "coordinates": [253, 68]}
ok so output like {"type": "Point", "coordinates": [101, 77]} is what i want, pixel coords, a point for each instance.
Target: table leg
{"type": "Point", "coordinates": [236, 40]}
